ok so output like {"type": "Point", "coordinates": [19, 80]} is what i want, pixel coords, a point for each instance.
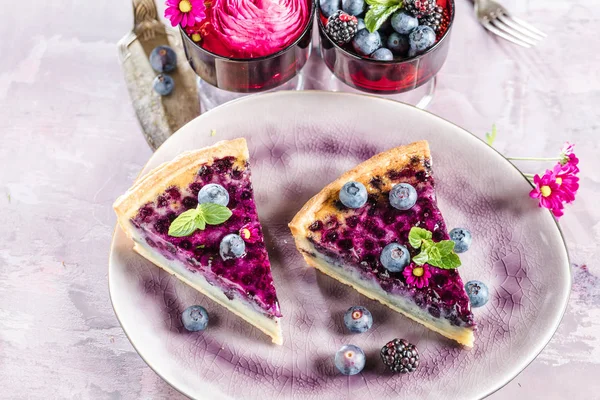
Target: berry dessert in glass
{"type": "Point", "coordinates": [244, 46]}
{"type": "Point", "coordinates": [385, 46]}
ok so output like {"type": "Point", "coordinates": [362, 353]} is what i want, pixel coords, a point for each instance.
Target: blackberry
{"type": "Point", "coordinates": [341, 27]}
{"type": "Point", "coordinates": [434, 20]}
{"type": "Point", "coordinates": [400, 356]}
{"type": "Point", "coordinates": [420, 8]}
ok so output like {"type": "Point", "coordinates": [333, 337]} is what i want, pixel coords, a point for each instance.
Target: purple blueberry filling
{"type": "Point", "coordinates": [249, 276]}
{"type": "Point", "coordinates": [359, 240]}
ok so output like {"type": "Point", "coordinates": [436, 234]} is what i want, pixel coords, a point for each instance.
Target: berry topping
{"type": "Point", "coordinates": [232, 246]}
{"type": "Point", "coordinates": [358, 319]}
{"type": "Point", "coordinates": [341, 27]}
{"type": "Point", "coordinates": [400, 356]}
{"type": "Point", "coordinates": [398, 44]}
{"type": "Point", "coordinates": [478, 293]}
{"type": "Point", "coordinates": [365, 42]}
{"type": "Point", "coordinates": [213, 193]}
{"type": "Point", "coordinates": [404, 23]}
{"type": "Point", "coordinates": [250, 233]}
{"type": "Point", "coordinates": [350, 359]}
{"type": "Point", "coordinates": [462, 239]}
{"type": "Point", "coordinates": [382, 54]}
{"type": "Point", "coordinates": [403, 196]}
{"type": "Point", "coordinates": [353, 7]}
{"type": "Point", "coordinates": [163, 59]}
{"type": "Point", "coordinates": [434, 20]}
{"type": "Point", "coordinates": [163, 84]}
{"type": "Point", "coordinates": [421, 39]}
{"type": "Point", "coordinates": [329, 7]}
{"type": "Point", "coordinates": [420, 8]}
{"type": "Point", "coordinates": [353, 195]}
{"type": "Point", "coordinates": [361, 24]}
{"type": "Point", "coordinates": [195, 318]}
{"type": "Point", "coordinates": [394, 257]}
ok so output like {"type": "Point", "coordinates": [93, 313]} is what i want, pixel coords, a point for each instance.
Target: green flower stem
{"type": "Point", "coordinates": [533, 159]}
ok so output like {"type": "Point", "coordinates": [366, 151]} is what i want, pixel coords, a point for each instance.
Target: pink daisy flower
{"type": "Point", "coordinates": [567, 182]}
{"type": "Point", "coordinates": [185, 12]}
{"type": "Point", "coordinates": [548, 191]}
{"type": "Point", "coordinates": [417, 275]}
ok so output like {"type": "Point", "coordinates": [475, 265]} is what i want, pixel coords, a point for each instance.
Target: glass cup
{"type": "Point", "coordinates": [250, 75]}
{"type": "Point", "coordinates": [385, 77]}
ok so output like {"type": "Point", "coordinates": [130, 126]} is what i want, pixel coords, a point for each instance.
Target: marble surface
{"type": "Point", "coordinates": [71, 143]}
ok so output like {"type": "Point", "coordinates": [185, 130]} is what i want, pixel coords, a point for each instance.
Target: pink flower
{"type": "Point", "coordinates": [417, 275]}
{"type": "Point", "coordinates": [567, 182]}
{"type": "Point", "coordinates": [185, 12]}
{"type": "Point", "coordinates": [547, 190]}
{"type": "Point", "coordinates": [250, 233]}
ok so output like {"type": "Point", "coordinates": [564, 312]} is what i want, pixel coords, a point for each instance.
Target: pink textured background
{"type": "Point", "coordinates": [70, 144]}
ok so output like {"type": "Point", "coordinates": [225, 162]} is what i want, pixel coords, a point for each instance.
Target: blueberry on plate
{"type": "Point", "coordinates": [358, 319]}
{"type": "Point", "coordinates": [195, 318]}
{"type": "Point", "coordinates": [403, 22]}
{"type": "Point", "coordinates": [232, 246]}
{"type": "Point", "coordinates": [382, 54]}
{"type": "Point", "coordinates": [394, 257]}
{"type": "Point", "coordinates": [163, 59]}
{"type": "Point", "coordinates": [462, 239]}
{"type": "Point", "coordinates": [365, 42]}
{"type": "Point", "coordinates": [353, 194]}
{"type": "Point", "coordinates": [329, 7]}
{"type": "Point", "coordinates": [163, 84]}
{"type": "Point", "coordinates": [421, 38]}
{"type": "Point", "coordinates": [213, 193]}
{"type": "Point", "coordinates": [350, 359]}
{"type": "Point", "coordinates": [478, 293]}
{"type": "Point", "coordinates": [398, 44]}
{"type": "Point", "coordinates": [403, 196]}
{"type": "Point", "coordinates": [353, 7]}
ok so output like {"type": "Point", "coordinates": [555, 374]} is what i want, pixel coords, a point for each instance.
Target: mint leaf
{"type": "Point", "coordinates": [386, 3]}
{"type": "Point", "coordinates": [449, 261]}
{"type": "Point", "coordinates": [445, 247]}
{"type": "Point", "coordinates": [200, 222]}
{"type": "Point", "coordinates": [420, 258]}
{"type": "Point", "coordinates": [214, 214]}
{"type": "Point", "coordinates": [184, 224]}
{"type": "Point", "coordinates": [417, 235]}
{"type": "Point", "coordinates": [433, 252]}
{"type": "Point", "coordinates": [378, 14]}
{"type": "Point", "coordinates": [491, 137]}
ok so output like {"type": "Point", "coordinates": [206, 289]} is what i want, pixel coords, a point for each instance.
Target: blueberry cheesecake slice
{"type": "Point", "coordinates": [378, 229]}
{"type": "Point", "coordinates": [195, 217]}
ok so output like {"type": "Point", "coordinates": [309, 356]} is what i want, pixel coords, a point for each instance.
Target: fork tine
{"type": "Point", "coordinates": [503, 35]}
{"type": "Point", "coordinates": [503, 27]}
{"type": "Point", "coordinates": [529, 26]}
{"type": "Point", "coordinates": [519, 28]}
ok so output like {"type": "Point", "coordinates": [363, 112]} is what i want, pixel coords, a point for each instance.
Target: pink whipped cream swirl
{"type": "Point", "coordinates": [253, 28]}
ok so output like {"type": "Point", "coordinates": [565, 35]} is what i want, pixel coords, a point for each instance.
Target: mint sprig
{"type": "Point", "coordinates": [438, 254]}
{"type": "Point", "coordinates": [379, 11]}
{"type": "Point", "coordinates": [197, 218]}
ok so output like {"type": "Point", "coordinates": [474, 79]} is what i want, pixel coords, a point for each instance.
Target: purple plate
{"type": "Point", "coordinates": [299, 142]}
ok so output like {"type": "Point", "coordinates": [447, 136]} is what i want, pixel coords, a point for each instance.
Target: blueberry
{"type": "Point", "coordinates": [478, 293]}
{"type": "Point", "coordinates": [361, 24]}
{"type": "Point", "coordinates": [353, 194]}
{"type": "Point", "coordinates": [195, 318]}
{"type": "Point", "coordinates": [403, 196]}
{"type": "Point", "coordinates": [329, 7]}
{"type": "Point", "coordinates": [213, 193]}
{"type": "Point", "coordinates": [163, 84]}
{"type": "Point", "coordinates": [232, 246]}
{"type": "Point", "coordinates": [462, 239]}
{"type": "Point", "coordinates": [421, 38]}
{"type": "Point", "coordinates": [404, 23]}
{"type": "Point", "coordinates": [382, 54]}
{"type": "Point", "coordinates": [353, 7]}
{"type": "Point", "coordinates": [383, 36]}
{"type": "Point", "coordinates": [398, 44]}
{"type": "Point", "coordinates": [350, 359]}
{"type": "Point", "coordinates": [394, 257]}
{"type": "Point", "coordinates": [366, 42]}
{"type": "Point", "coordinates": [358, 319]}
{"type": "Point", "coordinates": [163, 59]}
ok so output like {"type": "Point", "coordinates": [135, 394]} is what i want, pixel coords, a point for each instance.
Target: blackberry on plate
{"type": "Point", "coordinates": [400, 356]}
{"type": "Point", "coordinates": [341, 27]}
{"type": "Point", "coordinates": [420, 8]}
{"type": "Point", "coordinates": [434, 20]}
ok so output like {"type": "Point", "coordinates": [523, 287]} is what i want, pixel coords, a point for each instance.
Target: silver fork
{"type": "Point", "coordinates": [496, 19]}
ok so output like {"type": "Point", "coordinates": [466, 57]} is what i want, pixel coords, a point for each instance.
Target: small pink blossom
{"type": "Point", "coordinates": [417, 275]}
{"type": "Point", "coordinates": [548, 191]}
{"type": "Point", "coordinates": [250, 233]}
{"type": "Point", "coordinates": [567, 181]}
{"type": "Point", "coordinates": [185, 12]}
